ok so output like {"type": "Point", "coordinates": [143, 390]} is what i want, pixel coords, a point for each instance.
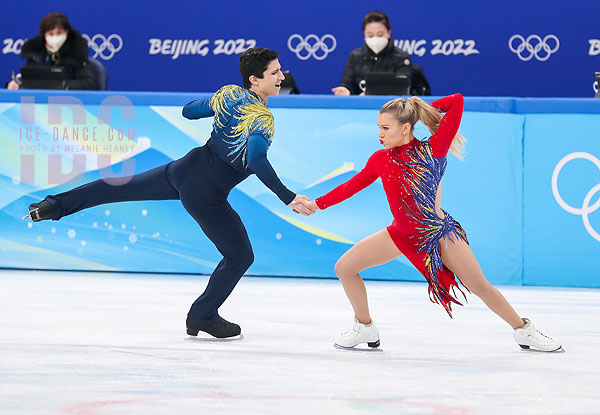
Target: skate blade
{"type": "Point", "coordinates": [529, 349]}
{"type": "Point", "coordinates": [357, 349]}
{"type": "Point", "coordinates": [25, 217]}
{"type": "Point", "coordinates": [214, 339]}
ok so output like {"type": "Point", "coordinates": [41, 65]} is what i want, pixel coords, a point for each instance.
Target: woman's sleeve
{"type": "Point", "coordinates": [453, 106]}
{"type": "Point", "coordinates": [259, 164]}
{"type": "Point", "coordinates": [359, 181]}
{"type": "Point", "coordinates": [199, 108]}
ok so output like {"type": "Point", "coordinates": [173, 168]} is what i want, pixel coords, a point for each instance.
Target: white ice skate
{"type": "Point", "coordinates": [529, 338]}
{"type": "Point", "coordinates": [359, 333]}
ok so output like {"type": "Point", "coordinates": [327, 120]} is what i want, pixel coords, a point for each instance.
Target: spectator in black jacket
{"type": "Point", "coordinates": [57, 43]}
{"type": "Point", "coordinates": [378, 54]}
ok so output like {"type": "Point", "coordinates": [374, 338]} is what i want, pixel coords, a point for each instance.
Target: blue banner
{"type": "Point", "coordinates": [509, 48]}
{"type": "Point", "coordinates": [55, 145]}
{"type": "Point", "coordinates": [562, 198]}
{"type": "Point", "coordinates": [527, 192]}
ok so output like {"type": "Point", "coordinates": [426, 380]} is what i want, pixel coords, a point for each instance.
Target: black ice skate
{"type": "Point", "coordinates": [217, 327]}
{"type": "Point", "coordinates": [43, 210]}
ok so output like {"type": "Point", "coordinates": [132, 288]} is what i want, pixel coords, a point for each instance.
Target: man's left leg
{"type": "Point", "coordinates": [229, 235]}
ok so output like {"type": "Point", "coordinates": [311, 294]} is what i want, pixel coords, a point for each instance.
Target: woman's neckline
{"type": "Point", "coordinates": [403, 146]}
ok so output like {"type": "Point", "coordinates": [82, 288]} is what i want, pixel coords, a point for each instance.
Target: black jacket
{"type": "Point", "coordinates": [391, 59]}
{"type": "Point", "coordinates": [73, 54]}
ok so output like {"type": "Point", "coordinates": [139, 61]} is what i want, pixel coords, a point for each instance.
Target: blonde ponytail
{"type": "Point", "coordinates": [414, 109]}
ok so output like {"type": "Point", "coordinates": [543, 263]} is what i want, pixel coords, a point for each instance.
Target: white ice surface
{"type": "Point", "coordinates": [94, 343]}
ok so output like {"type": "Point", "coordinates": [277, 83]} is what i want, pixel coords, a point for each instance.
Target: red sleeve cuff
{"type": "Point", "coordinates": [320, 203]}
{"type": "Point", "coordinates": [444, 103]}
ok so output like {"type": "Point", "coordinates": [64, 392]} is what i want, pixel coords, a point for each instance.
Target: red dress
{"type": "Point", "coordinates": [411, 175]}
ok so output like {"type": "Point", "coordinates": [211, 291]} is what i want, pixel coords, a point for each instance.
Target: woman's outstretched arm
{"type": "Point", "coordinates": [359, 181]}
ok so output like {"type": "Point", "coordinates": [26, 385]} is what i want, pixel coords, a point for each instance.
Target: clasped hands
{"type": "Point", "coordinates": [302, 204]}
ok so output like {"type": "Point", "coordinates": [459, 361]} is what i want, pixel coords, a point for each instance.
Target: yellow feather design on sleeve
{"type": "Point", "coordinates": [219, 102]}
{"type": "Point", "coordinates": [254, 117]}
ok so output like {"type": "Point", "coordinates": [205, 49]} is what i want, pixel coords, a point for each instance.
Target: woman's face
{"type": "Point", "coordinates": [58, 30]}
{"type": "Point", "coordinates": [391, 132]}
{"type": "Point", "coordinates": [376, 29]}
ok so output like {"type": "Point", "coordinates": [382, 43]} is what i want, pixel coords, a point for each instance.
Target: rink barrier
{"type": "Point", "coordinates": [527, 193]}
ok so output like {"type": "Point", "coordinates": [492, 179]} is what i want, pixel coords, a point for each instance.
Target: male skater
{"type": "Point", "coordinates": [202, 179]}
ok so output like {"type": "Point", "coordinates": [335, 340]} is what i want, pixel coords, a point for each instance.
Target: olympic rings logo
{"type": "Point", "coordinates": [311, 46]}
{"type": "Point", "coordinates": [101, 44]}
{"type": "Point", "coordinates": [585, 209]}
{"type": "Point", "coordinates": [532, 46]}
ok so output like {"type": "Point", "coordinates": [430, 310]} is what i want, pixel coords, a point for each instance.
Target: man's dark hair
{"type": "Point", "coordinates": [255, 61]}
{"type": "Point", "coordinates": [379, 17]}
{"type": "Point", "coordinates": [52, 20]}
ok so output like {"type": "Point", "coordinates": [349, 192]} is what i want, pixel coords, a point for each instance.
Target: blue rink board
{"type": "Point", "coordinates": [495, 193]}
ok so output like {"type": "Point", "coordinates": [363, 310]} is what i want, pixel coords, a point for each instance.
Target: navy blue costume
{"type": "Point", "coordinates": [242, 133]}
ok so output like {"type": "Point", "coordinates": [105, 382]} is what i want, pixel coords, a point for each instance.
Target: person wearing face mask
{"type": "Point", "coordinates": [57, 43]}
{"type": "Point", "coordinates": [378, 54]}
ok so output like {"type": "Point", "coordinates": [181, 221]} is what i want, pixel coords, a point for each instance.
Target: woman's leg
{"type": "Point", "coordinates": [150, 185]}
{"type": "Point", "coordinates": [458, 257]}
{"type": "Point", "coordinates": [376, 249]}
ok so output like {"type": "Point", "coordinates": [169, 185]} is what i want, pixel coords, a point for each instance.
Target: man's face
{"type": "Point", "coordinates": [270, 84]}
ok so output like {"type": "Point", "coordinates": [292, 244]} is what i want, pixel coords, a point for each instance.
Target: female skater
{"type": "Point", "coordinates": [411, 171]}
{"type": "Point", "coordinates": [242, 133]}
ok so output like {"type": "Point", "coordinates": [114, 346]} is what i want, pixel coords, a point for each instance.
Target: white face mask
{"type": "Point", "coordinates": [54, 43]}
{"type": "Point", "coordinates": [376, 43]}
